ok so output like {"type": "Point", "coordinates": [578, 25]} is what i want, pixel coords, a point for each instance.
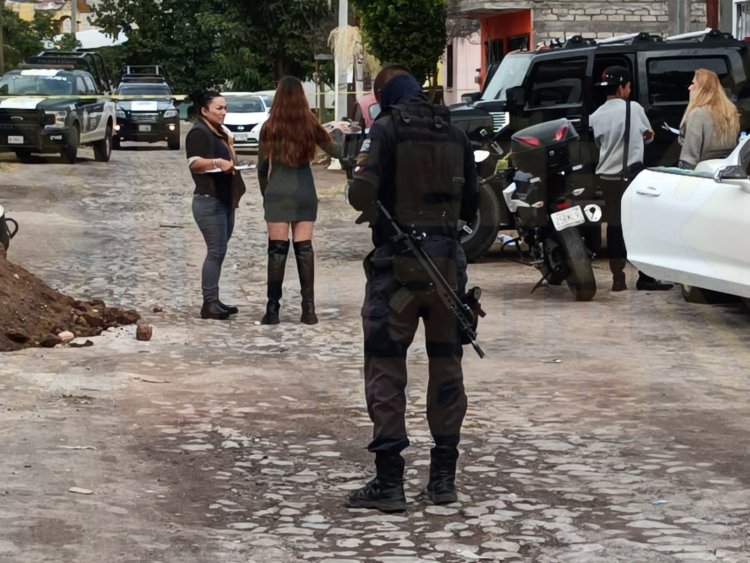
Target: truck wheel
{"type": "Point", "coordinates": [24, 155]}
{"type": "Point", "coordinates": [485, 225]}
{"type": "Point", "coordinates": [173, 142]}
{"type": "Point", "coordinates": [70, 151]}
{"type": "Point", "coordinates": [580, 278]}
{"type": "Point", "coordinates": [693, 294]}
{"type": "Point", "coordinates": [103, 148]}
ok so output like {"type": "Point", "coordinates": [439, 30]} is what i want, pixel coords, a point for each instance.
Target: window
{"type": "Point", "coordinates": [494, 51]}
{"type": "Point", "coordinates": [558, 82]}
{"type": "Point", "coordinates": [518, 42]}
{"type": "Point", "coordinates": [668, 79]}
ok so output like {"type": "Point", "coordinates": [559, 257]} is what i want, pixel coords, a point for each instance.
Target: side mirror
{"type": "Point", "coordinates": [516, 96]}
{"type": "Point", "coordinates": [471, 97]}
{"type": "Point", "coordinates": [733, 175]}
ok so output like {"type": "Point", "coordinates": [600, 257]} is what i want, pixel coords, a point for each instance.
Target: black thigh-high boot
{"type": "Point", "coordinates": [386, 491]}
{"type": "Point", "coordinates": [277, 253]}
{"type": "Point", "coordinates": [303, 252]}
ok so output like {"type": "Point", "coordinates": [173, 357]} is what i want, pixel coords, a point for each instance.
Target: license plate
{"type": "Point", "coordinates": [15, 139]}
{"type": "Point", "coordinates": [144, 128]}
{"type": "Point", "coordinates": [568, 218]}
{"type": "Point", "coordinates": [240, 137]}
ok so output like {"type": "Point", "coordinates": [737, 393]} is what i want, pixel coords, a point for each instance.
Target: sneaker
{"type": "Point", "coordinates": [386, 497]}
{"type": "Point", "coordinates": [650, 284]}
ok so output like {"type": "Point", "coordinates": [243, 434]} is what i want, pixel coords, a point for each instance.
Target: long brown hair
{"type": "Point", "coordinates": [292, 131]}
{"type": "Point", "coordinates": [708, 93]}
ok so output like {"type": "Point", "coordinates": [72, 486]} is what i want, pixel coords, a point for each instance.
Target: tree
{"type": "Point", "coordinates": [221, 43]}
{"type": "Point", "coordinates": [394, 35]}
{"type": "Point", "coordinates": [22, 39]}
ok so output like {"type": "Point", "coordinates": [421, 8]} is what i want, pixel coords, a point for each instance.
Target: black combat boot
{"type": "Point", "coordinates": [442, 486]}
{"type": "Point", "coordinates": [386, 491]}
{"type": "Point", "coordinates": [617, 267]}
{"type": "Point", "coordinates": [212, 310]}
{"type": "Point", "coordinates": [277, 253]}
{"type": "Point", "coordinates": [647, 283]}
{"type": "Point", "coordinates": [303, 252]}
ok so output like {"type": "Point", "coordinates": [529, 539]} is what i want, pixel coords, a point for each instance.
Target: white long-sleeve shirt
{"type": "Point", "coordinates": [608, 124]}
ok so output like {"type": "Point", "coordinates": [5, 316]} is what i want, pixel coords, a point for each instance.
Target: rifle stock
{"type": "Point", "coordinates": [465, 314]}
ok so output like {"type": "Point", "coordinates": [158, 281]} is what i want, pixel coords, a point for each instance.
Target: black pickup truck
{"type": "Point", "coordinates": [56, 102]}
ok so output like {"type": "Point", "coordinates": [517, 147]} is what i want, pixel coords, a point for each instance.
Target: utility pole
{"type": "Point", "coordinates": [73, 19]}
{"type": "Point", "coordinates": [2, 38]}
{"type": "Point", "coordinates": [340, 84]}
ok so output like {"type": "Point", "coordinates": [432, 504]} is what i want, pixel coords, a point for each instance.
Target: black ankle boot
{"type": "Point", "coordinates": [386, 491]}
{"type": "Point", "coordinates": [212, 310]}
{"type": "Point", "coordinates": [647, 283]}
{"type": "Point", "coordinates": [231, 309]}
{"type": "Point", "coordinates": [277, 253]}
{"type": "Point", "coordinates": [442, 486]}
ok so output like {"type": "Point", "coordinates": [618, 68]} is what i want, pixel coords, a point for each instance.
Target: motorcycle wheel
{"type": "Point", "coordinates": [580, 278]}
{"type": "Point", "coordinates": [485, 225]}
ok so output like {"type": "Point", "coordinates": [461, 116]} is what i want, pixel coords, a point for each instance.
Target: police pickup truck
{"type": "Point", "coordinates": [56, 102]}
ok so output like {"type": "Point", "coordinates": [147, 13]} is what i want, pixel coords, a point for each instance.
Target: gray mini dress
{"type": "Point", "coordinates": [290, 195]}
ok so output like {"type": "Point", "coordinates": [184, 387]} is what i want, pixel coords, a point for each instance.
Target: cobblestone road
{"type": "Point", "coordinates": [610, 431]}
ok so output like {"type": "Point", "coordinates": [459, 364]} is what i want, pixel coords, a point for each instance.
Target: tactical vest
{"type": "Point", "coordinates": [429, 169]}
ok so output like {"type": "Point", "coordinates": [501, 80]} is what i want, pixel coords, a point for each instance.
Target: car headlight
{"type": "Point", "coordinates": [56, 118]}
{"type": "Point", "coordinates": [120, 113]}
{"type": "Point", "coordinates": [170, 113]}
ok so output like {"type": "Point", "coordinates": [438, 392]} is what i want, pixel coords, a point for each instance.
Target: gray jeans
{"type": "Point", "coordinates": [215, 219]}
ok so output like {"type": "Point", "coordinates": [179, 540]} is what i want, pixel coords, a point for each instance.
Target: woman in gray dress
{"type": "Point", "coordinates": [287, 146]}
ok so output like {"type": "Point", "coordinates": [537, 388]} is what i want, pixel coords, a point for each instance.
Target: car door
{"type": "Point", "coordinates": [683, 226]}
{"type": "Point", "coordinates": [91, 109]}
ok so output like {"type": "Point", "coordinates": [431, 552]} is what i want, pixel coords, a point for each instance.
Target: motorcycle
{"type": "Point", "coordinates": [8, 228]}
{"type": "Point", "coordinates": [540, 198]}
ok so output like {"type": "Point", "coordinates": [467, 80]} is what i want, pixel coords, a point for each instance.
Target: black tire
{"type": "Point", "coordinates": [693, 294]}
{"type": "Point", "coordinates": [70, 151]}
{"type": "Point", "coordinates": [580, 280]}
{"type": "Point", "coordinates": [103, 148]}
{"type": "Point", "coordinates": [24, 155]}
{"type": "Point", "coordinates": [485, 225]}
{"type": "Point", "coordinates": [116, 143]}
{"type": "Point", "coordinates": [173, 142]}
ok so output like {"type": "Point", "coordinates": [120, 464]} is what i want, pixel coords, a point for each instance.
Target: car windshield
{"type": "Point", "coordinates": [245, 105]}
{"type": "Point", "coordinates": [268, 99]}
{"type": "Point", "coordinates": [36, 85]}
{"type": "Point", "coordinates": [510, 73]}
{"type": "Point", "coordinates": [144, 90]}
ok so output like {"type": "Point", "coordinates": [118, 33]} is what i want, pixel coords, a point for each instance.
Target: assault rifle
{"type": "Point", "coordinates": [466, 312]}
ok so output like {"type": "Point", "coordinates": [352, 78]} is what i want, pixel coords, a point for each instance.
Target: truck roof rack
{"type": "Point", "coordinates": [708, 34]}
{"type": "Point", "coordinates": [84, 60]}
{"type": "Point", "coordinates": [143, 73]}
{"type": "Point", "coordinates": [630, 38]}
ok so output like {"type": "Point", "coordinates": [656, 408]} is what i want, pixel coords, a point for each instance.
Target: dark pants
{"type": "Point", "coordinates": [216, 222]}
{"type": "Point", "coordinates": [613, 191]}
{"type": "Point", "coordinates": [388, 334]}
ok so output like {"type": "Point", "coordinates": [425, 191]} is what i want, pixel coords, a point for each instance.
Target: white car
{"type": "Point", "coordinates": [692, 226]}
{"type": "Point", "coordinates": [246, 113]}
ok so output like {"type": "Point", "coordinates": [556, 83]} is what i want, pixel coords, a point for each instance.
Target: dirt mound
{"type": "Point", "coordinates": [33, 314]}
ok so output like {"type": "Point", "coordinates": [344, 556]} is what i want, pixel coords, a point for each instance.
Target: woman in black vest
{"type": "Point", "coordinates": [218, 188]}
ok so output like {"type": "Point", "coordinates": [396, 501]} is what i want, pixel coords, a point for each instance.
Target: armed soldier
{"type": "Point", "coordinates": [421, 170]}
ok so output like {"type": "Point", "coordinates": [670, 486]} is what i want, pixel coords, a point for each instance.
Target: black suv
{"type": "Point", "coordinates": [146, 107]}
{"type": "Point", "coordinates": [531, 87]}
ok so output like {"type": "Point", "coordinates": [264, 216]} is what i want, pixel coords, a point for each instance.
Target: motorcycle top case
{"type": "Point", "coordinates": [549, 146]}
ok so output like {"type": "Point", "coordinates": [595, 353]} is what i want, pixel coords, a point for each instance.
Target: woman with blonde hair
{"type": "Point", "coordinates": [711, 122]}
{"type": "Point", "coordinates": [287, 146]}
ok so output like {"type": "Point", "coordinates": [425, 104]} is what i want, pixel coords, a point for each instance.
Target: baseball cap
{"type": "Point", "coordinates": [615, 76]}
